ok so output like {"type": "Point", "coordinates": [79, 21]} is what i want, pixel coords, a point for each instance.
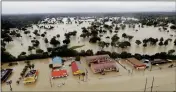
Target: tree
{"type": "Point", "coordinates": [124, 44]}
{"type": "Point", "coordinates": [138, 42]}
{"type": "Point", "coordinates": [42, 35]}
{"type": "Point", "coordinates": [124, 35]}
{"type": "Point", "coordinates": [36, 43]}
{"type": "Point", "coordinates": [171, 51]}
{"type": "Point", "coordinates": [160, 43]}
{"type": "Point", "coordinates": [32, 66]}
{"type": "Point", "coordinates": [130, 37]}
{"type": "Point", "coordinates": [89, 52]}
{"type": "Point", "coordinates": [175, 42]}
{"type": "Point", "coordinates": [115, 38]}
{"type": "Point", "coordinates": [8, 39]}
{"type": "Point", "coordinates": [30, 48]}
{"type": "Point", "coordinates": [166, 42]}
{"type": "Point", "coordinates": [3, 49]}
{"type": "Point", "coordinates": [23, 53]}
{"type": "Point", "coordinates": [125, 55]}
{"type": "Point", "coordinates": [54, 42]}
{"type": "Point", "coordinates": [18, 35]}
{"type": "Point", "coordinates": [77, 58]}
{"type": "Point", "coordinates": [123, 26]}
{"type": "Point", "coordinates": [101, 44]}
{"type": "Point", "coordinates": [39, 51]}
{"type": "Point", "coordinates": [173, 27]}
{"type": "Point", "coordinates": [46, 40]}
{"type": "Point", "coordinates": [66, 41]}
{"type": "Point", "coordinates": [114, 55]}
{"type": "Point", "coordinates": [145, 41]}
{"type": "Point", "coordinates": [50, 65]}
{"type": "Point", "coordinates": [58, 35]}
{"type": "Point", "coordinates": [117, 28]}
{"type": "Point", "coordinates": [161, 39]}
{"type": "Point", "coordinates": [49, 49]}
{"type": "Point", "coordinates": [145, 45]}
{"type": "Point", "coordinates": [82, 53]}
{"type": "Point", "coordinates": [94, 39]}
{"type": "Point", "coordinates": [35, 32]}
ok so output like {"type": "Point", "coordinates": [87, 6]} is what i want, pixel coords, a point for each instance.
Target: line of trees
{"type": "Point", "coordinates": [64, 51]}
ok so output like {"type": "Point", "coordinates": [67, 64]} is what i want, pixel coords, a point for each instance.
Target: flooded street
{"type": "Point", "coordinates": [15, 47]}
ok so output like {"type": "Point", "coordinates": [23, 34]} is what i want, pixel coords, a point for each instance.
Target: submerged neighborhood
{"type": "Point", "coordinates": [100, 51]}
{"type": "Point", "coordinates": [80, 67]}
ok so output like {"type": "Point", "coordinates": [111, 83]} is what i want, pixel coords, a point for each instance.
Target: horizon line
{"type": "Point", "coordinates": [90, 12]}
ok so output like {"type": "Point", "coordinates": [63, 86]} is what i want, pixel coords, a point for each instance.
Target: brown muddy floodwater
{"type": "Point", "coordinates": [112, 81]}
{"type": "Point", "coordinates": [15, 47]}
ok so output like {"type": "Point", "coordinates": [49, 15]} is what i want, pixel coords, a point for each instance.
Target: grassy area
{"type": "Point", "coordinates": [75, 47]}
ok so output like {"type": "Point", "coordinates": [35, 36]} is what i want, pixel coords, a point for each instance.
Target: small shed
{"type": "Point", "coordinates": [76, 68]}
{"type": "Point", "coordinates": [57, 62]}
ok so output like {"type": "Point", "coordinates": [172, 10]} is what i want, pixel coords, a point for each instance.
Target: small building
{"type": "Point", "coordinates": [57, 62]}
{"type": "Point", "coordinates": [5, 73]}
{"type": "Point", "coordinates": [31, 77]}
{"type": "Point", "coordinates": [77, 68]}
{"type": "Point", "coordinates": [104, 67]}
{"type": "Point", "coordinates": [96, 58]}
{"type": "Point", "coordinates": [159, 61]}
{"type": "Point", "coordinates": [57, 73]}
{"type": "Point", "coordinates": [136, 63]}
{"type": "Point", "coordinates": [101, 63]}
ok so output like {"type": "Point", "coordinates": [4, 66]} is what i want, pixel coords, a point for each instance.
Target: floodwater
{"type": "Point", "coordinates": [15, 47]}
{"type": "Point", "coordinates": [112, 81]}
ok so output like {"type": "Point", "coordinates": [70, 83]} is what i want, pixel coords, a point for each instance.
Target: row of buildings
{"type": "Point", "coordinates": [58, 72]}
{"type": "Point", "coordinates": [98, 64]}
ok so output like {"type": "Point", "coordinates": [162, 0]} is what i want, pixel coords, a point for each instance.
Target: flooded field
{"type": "Point", "coordinates": [15, 47]}
{"type": "Point", "coordinates": [112, 81]}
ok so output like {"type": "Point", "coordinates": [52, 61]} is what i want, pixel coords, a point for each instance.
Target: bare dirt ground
{"type": "Point", "coordinates": [112, 81]}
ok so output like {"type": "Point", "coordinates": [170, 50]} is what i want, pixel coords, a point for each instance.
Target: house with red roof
{"type": "Point", "coordinates": [101, 63]}
{"type": "Point", "coordinates": [76, 68]}
{"type": "Point", "coordinates": [57, 73]}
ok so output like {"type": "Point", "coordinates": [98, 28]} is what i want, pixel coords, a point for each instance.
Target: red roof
{"type": "Point", "coordinates": [74, 67]}
{"type": "Point", "coordinates": [57, 73]}
{"type": "Point", "coordinates": [136, 62]}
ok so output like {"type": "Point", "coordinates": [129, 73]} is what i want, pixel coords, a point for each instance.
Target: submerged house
{"type": "Point", "coordinates": [104, 66]}
{"type": "Point", "coordinates": [57, 62]}
{"type": "Point", "coordinates": [57, 73]}
{"type": "Point", "coordinates": [5, 73]}
{"type": "Point", "coordinates": [159, 61]}
{"type": "Point", "coordinates": [97, 58]}
{"type": "Point", "coordinates": [136, 63]}
{"type": "Point", "coordinates": [101, 63]}
{"type": "Point", "coordinates": [77, 68]}
{"type": "Point", "coordinates": [31, 77]}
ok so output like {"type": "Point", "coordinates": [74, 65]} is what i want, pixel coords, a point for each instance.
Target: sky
{"type": "Point", "coordinates": [24, 7]}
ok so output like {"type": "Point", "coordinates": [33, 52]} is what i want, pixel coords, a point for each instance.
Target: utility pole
{"type": "Point", "coordinates": [145, 85]}
{"type": "Point", "coordinates": [152, 84]}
